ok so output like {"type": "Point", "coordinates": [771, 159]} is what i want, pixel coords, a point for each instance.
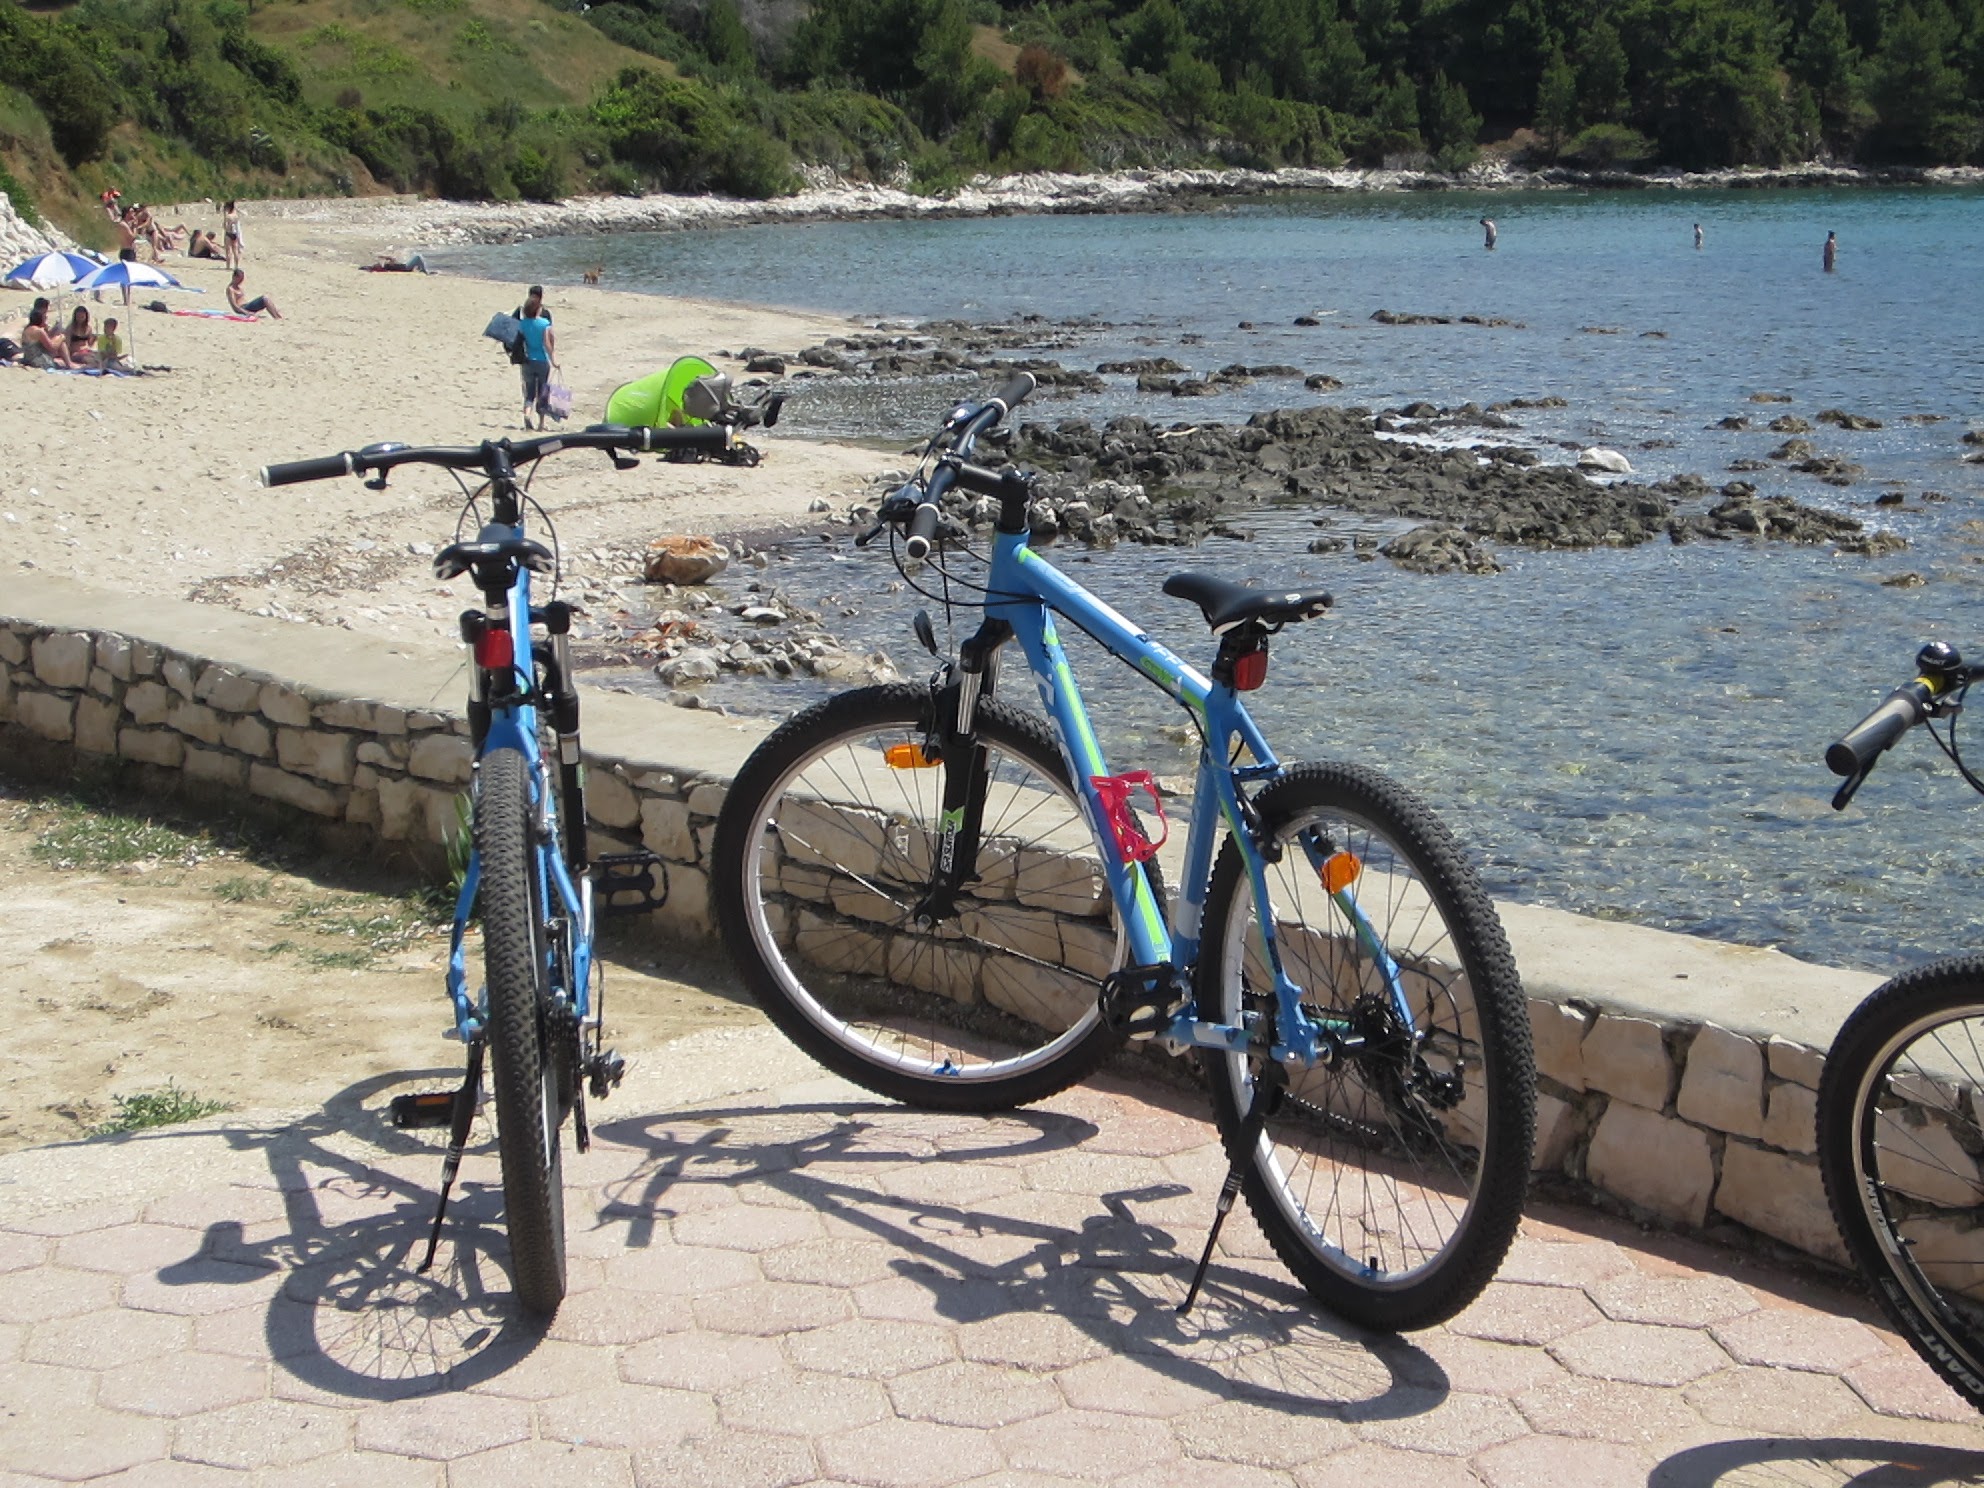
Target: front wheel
{"type": "Point", "coordinates": [1390, 1182]}
{"type": "Point", "coordinates": [824, 856]}
{"type": "Point", "coordinates": [525, 1066]}
{"type": "Point", "coordinates": [1900, 1133]}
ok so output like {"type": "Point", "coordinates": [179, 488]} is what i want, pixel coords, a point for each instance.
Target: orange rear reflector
{"type": "Point", "coordinates": [907, 757]}
{"type": "Point", "coordinates": [1340, 871]}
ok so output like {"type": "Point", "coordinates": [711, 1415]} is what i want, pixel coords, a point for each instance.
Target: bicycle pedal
{"type": "Point", "coordinates": [435, 1108]}
{"type": "Point", "coordinates": [1139, 1002]}
{"type": "Point", "coordinates": [604, 1070]}
{"type": "Point", "coordinates": [629, 883]}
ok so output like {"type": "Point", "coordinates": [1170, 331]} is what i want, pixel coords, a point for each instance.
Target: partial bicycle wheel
{"type": "Point", "coordinates": [524, 1069]}
{"type": "Point", "coordinates": [1901, 1135]}
{"type": "Point", "coordinates": [824, 855]}
{"type": "Point", "coordinates": [1391, 1182]}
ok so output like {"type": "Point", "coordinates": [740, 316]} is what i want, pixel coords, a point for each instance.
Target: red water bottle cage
{"type": "Point", "coordinates": [1123, 824]}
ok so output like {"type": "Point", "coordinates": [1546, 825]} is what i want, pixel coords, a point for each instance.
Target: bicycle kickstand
{"type": "Point", "coordinates": [1268, 1085]}
{"type": "Point", "coordinates": [466, 1099]}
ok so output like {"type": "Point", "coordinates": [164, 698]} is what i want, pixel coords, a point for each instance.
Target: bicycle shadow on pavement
{"type": "Point", "coordinates": [1111, 1267]}
{"type": "Point", "coordinates": [1818, 1462]}
{"type": "Point", "coordinates": [352, 1317]}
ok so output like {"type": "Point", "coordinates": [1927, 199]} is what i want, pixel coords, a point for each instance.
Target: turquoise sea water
{"type": "Point", "coordinates": [1635, 734]}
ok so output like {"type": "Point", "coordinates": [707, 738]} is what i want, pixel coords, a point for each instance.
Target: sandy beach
{"type": "Point", "coordinates": [149, 483]}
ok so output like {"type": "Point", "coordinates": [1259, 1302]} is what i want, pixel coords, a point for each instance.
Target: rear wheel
{"type": "Point", "coordinates": [1391, 1182]}
{"type": "Point", "coordinates": [826, 848]}
{"type": "Point", "coordinates": [1901, 1134]}
{"type": "Point", "coordinates": [524, 1065]}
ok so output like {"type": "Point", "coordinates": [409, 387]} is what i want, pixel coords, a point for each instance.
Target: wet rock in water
{"type": "Point", "coordinates": [1839, 418]}
{"type": "Point", "coordinates": [1602, 330]}
{"type": "Point", "coordinates": [766, 363]}
{"type": "Point", "coordinates": [1140, 365]}
{"type": "Point", "coordinates": [1790, 521]}
{"type": "Point", "coordinates": [1307, 320]}
{"type": "Point", "coordinates": [1891, 498]}
{"type": "Point", "coordinates": [1793, 449]}
{"type": "Point", "coordinates": [1609, 460]}
{"type": "Point", "coordinates": [1150, 382]}
{"type": "Point", "coordinates": [690, 668]}
{"type": "Point", "coordinates": [1246, 325]}
{"type": "Point", "coordinates": [1327, 545]}
{"type": "Point", "coordinates": [1734, 421]}
{"type": "Point", "coordinates": [1653, 335]}
{"type": "Point", "coordinates": [1923, 418]}
{"type": "Point", "coordinates": [1408, 318]}
{"type": "Point", "coordinates": [1550, 402]}
{"type": "Point", "coordinates": [685, 560]}
{"type": "Point", "coordinates": [1321, 382]}
{"type": "Point", "coordinates": [1745, 465]}
{"type": "Point", "coordinates": [1909, 580]}
{"type": "Point", "coordinates": [1831, 469]}
{"type": "Point", "coordinates": [1789, 423]}
{"type": "Point", "coordinates": [1770, 397]}
{"type": "Point", "coordinates": [1438, 550]}
{"type": "Point", "coordinates": [1493, 321]}
{"type": "Point", "coordinates": [1274, 369]}
{"type": "Point", "coordinates": [1973, 436]}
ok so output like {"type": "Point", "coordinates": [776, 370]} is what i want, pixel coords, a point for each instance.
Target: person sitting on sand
{"type": "Point", "coordinates": [79, 340]}
{"type": "Point", "coordinates": [203, 245]}
{"type": "Point", "coordinates": [110, 349]}
{"type": "Point", "coordinates": [387, 264]}
{"type": "Point", "coordinates": [41, 347]}
{"type": "Point", "coordinates": [237, 298]}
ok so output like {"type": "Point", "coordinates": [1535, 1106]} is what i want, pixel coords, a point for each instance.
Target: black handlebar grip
{"type": "Point", "coordinates": [1861, 745]}
{"type": "Point", "coordinates": [713, 438]}
{"type": "Point", "coordinates": [293, 471]}
{"type": "Point", "coordinates": [998, 483]}
{"type": "Point", "coordinates": [922, 529]}
{"type": "Point", "coordinates": [1014, 392]}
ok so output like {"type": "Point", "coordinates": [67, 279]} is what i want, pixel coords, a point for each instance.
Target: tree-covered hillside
{"type": "Point", "coordinates": [506, 98]}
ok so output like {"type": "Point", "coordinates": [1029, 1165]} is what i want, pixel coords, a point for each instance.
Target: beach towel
{"type": "Point", "coordinates": [218, 315]}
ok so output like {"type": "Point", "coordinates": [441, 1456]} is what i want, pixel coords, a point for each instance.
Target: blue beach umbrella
{"type": "Point", "coordinates": [50, 270]}
{"type": "Point", "coordinates": [128, 273]}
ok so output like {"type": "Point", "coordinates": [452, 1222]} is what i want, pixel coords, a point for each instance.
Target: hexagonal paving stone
{"type": "Point", "coordinates": [1207, 1475]}
{"type": "Point", "coordinates": [104, 1340]}
{"type": "Point", "coordinates": [127, 1249]}
{"type": "Point", "coordinates": [1023, 1341]}
{"type": "Point", "coordinates": [201, 1285]}
{"type": "Point", "coordinates": [954, 1185]}
{"type": "Point", "coordinates": [907, 1454]}
{"type": "Point", "coordinates": [1247, 1431]}
{"type": "Point", "coordinates": [682, 1270]}
{"type": "Point", "coordinates": [1541, 1460]}
{"type": "Point", "coordinates": [628, 1416]}
{"type": "Point", "coordinates": [356, 1470]}
{"type": "Point", "coordinates": [871, 1349]}
{"type": "Point", "coordinates": [1640, 1353]}
{"type": "Point", "coordinates": [771, 1308]}
{"type": "Point", "coordinates": [550, 1369]}
{"type": "Point", "coordinates": [700, 1361]}
{"type": "Point", "coordinates": [267, 1433]}
{"type": "Point", "coordinates": [443, 1427]}
{"type": "Point", "coordinates": [1486, 1367]}
{"type": "Point", "coordinates": [1896, 1383]}
{"type": "Point", "coordinates": [1563, 1263]}
{"type": "Point", "coordinates": [537, 1464]}
{"type": "Point", "coordinates": [1784, 1401]}
{"type": "Point", "coordinates": [1458, 1426]}
{"type": "Point", "coordinates": [74, 1440]}
{"type": "Point", "coordinates": [1131, 1387]}
{"type": "Point", "coordinates": [923, 1294]}
{"type": "Point", "coordinates": [836, 1262]}
{"type": "Point", "coordinates": [1797, 1338]}
{"type": "Point", "coordinates": [167, 1473]}
{"type": "Point", "coordinates": [20, 1252]}
{"type": "Point", "coordinates": [802, 1404]}
{"type": "Point", "coordinates": [190, 1384]}
{"type": "Point", "coordinates": [1609, 1410]}
{"type": "Point", "coordinates": [610, 1315]}
{"type": "Point", "coordinates": [1090, 1445]}
{"type": "Point", "coordinates": [755, 1230]}
{"type": "Point", "coordinates": [1511, 1313]}
{"type": "Point", "coordinates": [75, 1221]}
{"type": "Point", "coordinates": [1678, 1301]}
{"type": "Point", "coordinates": [1374, 1466]}
{"type": "Point", "coordinates": [50, 1292]}
{"type": "Point", "coordinates": [959, 1394]}
{"type": "Point", "coordinates": [731, 1460]}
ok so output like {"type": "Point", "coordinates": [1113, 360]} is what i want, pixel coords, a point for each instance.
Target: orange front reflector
{"type": "Point", "coordinates": [907, 757]}
{"type": "Point", "coordinates": [1340, 871]}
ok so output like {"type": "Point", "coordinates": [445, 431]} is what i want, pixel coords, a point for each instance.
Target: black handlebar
{"type": "Point", "coordinates": [379, 458]}
{"type": "Point", "coordinates": [1856, 750]}
{"type": "Point", "coordinates": [917, 507]}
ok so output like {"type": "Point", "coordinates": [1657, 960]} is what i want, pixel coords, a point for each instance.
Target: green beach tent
{"type": "Point", "coordinates": [657, 398]}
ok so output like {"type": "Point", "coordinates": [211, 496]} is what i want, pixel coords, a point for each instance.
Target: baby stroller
{"type": "Point", "coordinates": [691, 391]}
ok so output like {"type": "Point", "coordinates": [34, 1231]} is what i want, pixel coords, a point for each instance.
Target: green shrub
{"type": "Point", "coordinates": [1605, 146]}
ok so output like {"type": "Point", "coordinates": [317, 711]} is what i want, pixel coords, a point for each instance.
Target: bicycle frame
{"type": "Point", "coordinates": [1024, 593]}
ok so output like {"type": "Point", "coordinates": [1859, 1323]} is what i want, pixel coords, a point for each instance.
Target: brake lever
{"type": "Point", "coordinates": [870, 535]}
{"type": "Point", "coordinates": [1850, 786]}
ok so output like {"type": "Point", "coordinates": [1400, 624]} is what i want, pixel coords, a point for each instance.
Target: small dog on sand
{"type": "Point", "coordinates": [591, 275]}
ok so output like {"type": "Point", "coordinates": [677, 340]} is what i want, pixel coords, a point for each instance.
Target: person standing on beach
{"type": "Point", "coordinates": [230, 228]}
{"type": "Point", "coordinates": [1488, 233]}
{"type": "Point", "coordinates": [1698, 237]}
{"type": "Point", "coordinates": [1832, 251]}
{"type": "Point", "coordinates": [540, 354]}
{"type": "Point", "coordinates": [127, 244]}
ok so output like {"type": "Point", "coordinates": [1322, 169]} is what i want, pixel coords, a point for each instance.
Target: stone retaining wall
{"type": "Point", "coordinates": [1685, 1119]}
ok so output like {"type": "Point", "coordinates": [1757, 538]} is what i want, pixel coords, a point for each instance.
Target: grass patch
{"type": "Point", "coordinates": [369, 926]}
{"type": "Point", "coordinates": [242, 890]}
{"type": "Point", "coordinates": [167, 1106]}
{"type": "Point", "coordinates": [85, 836]}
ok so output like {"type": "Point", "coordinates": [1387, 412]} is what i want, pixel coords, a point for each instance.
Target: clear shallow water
{"type": "Point", "coordinates": [1631, 734]}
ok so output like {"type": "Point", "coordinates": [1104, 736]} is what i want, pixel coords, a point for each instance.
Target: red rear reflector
{"type": "Point", "coordinates": [495, 649]}
{"type": "Point", "coordinates": [1250, 671]}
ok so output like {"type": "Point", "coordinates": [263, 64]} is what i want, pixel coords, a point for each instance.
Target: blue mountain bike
{"type": "Point", "coordinates": [955, 904]}
{"type": "Point", "coordinates": [531, 881]}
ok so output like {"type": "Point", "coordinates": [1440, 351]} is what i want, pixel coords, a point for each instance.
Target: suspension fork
{"type": "Point", "coordinates": [962, 817]}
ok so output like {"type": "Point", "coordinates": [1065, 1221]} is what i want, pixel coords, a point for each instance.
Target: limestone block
{"type": "Point", "coordinates": [13, 649]}
{"type": "Point", "coordinates": [440, 817]}
{"type": "Point", "coordinates": [6, 694]}
{"type": "Point", "coordinates": [284, 705]}
{"type": "Point", "coordinates": [249, 735]}
{"type": "Point", "coordinates": [177, 673]}
{"type": "Point", "coordinates": [441, 757]}
{"type": "Point", "coordinates": [610, 801]}
{"type": "Point", "coordinates": [345, 713]}
{"type": "Point", "coordinates": [1559, 1035]}
{"type": "Point", "coordinates": [144, 659]}
{"type": "Point", "coordinates": [216, 765]}
{"type": "Point", "coordinates": [372, 752]}
{"type": "Point", "coordinates": [1795, 1062]}
{"type": "Point", "coordinates": [399, 804]}
{"type": "Point", "coordinates": [656, 783]}
{"type": "Point", "coordinates": [102, 683]}
{"type": "Point", "coordinates": [1782, 1196]}
{"type": "Point", "coordinates": [46, 713]}
{"type": "Point", "coordinates": [1627, 1057]}
{"type": "Point", "coordinates": [1722, 1086]}
{"type": "Point", "coordinates": [706, 797]}
{"type": "Point", "coordinates": [147, 703]}
{"type": "Point", "coordinates": [1791, 1119]}
{"type": "Point", "coordinates": [687, 912]}
{"type": "Point", "coordinates": [326, 756]}
{"type": "Point", "coordinates": [113, 654]}
{"type": "Point", "coordinates": [422, 721]}
{"type": "Point", "coordinates": [152, 746]}
{"type": "Point", "coordinates": [62, 658]}
{"type": "Point", "coordinates": [195, 720]}
{"type": "Point", "coordinates": [1557, 1129]}
{"type": "Point", "coordinates": [665, 829]}
{"type": "Point", "coordinates": [294, 790]}
{"type": "Point", "coordinates": [96, 725]}
{"type": "Point", "coordinates": [387, 719]}
{"type": "Point", "coordinates": [1653, 1161]}
{"type": "Point", "coordinates": [362, 810]}
{"type": "Point", "coordinates": [224, 688]}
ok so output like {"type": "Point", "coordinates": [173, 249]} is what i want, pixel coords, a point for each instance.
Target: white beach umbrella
{"type": "Point", "coordinates": [127, 272]}
{"type": "Point", "coordinates": [50, 270]}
